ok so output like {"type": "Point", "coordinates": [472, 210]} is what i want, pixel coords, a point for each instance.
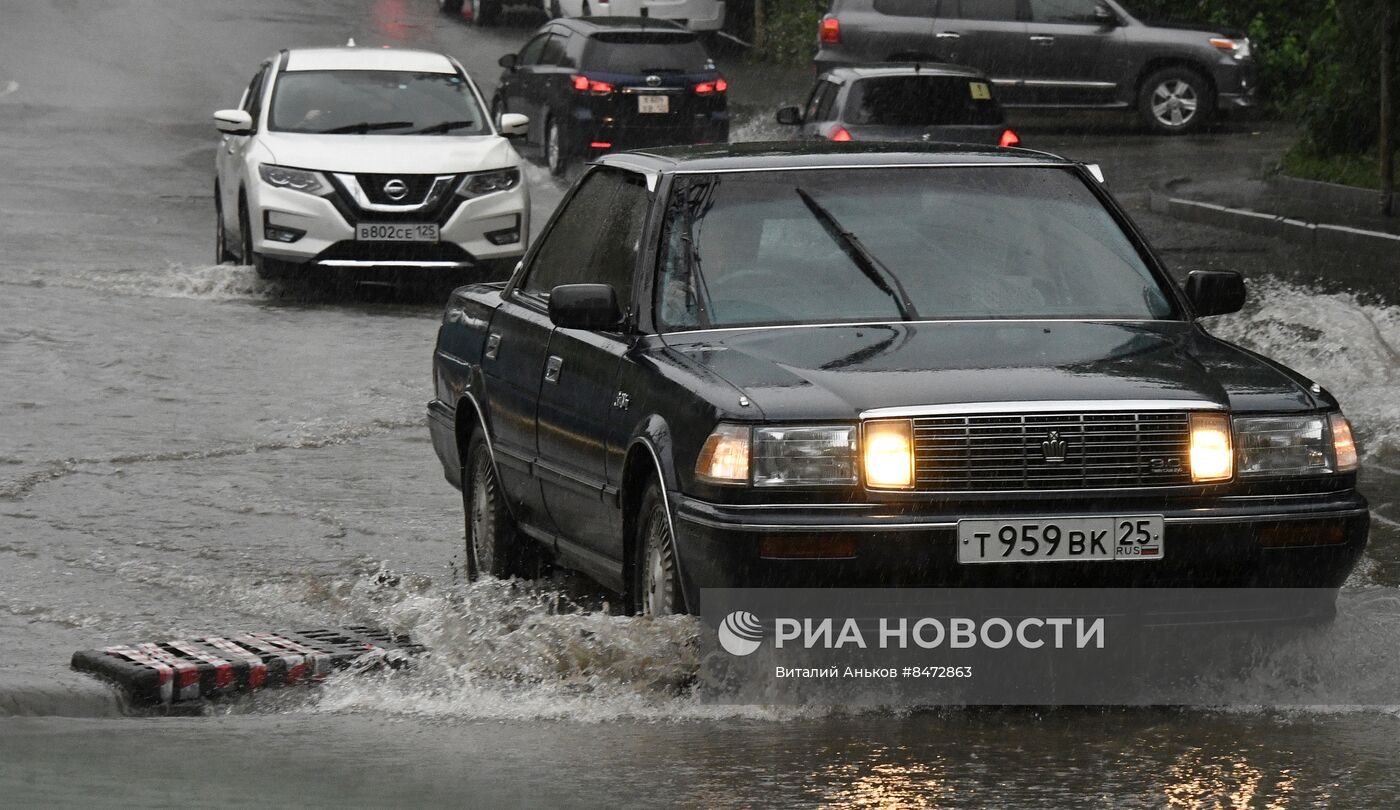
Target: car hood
{"type": "Point", "coordinates": [390, 154]}
{"type": "Point", "coordinates": [831, 372]}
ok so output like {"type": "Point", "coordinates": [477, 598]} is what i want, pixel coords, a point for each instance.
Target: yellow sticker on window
{"type": "Point", "coordinates": [980, 91]}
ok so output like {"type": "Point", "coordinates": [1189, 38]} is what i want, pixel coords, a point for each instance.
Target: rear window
{"type": "Point", "coordinates": [922, 101]}
{"type": "Point", "coordinates": [643, 52]}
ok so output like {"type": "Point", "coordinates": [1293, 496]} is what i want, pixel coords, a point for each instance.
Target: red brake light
{"type": "Point", "coordinates": [583, 84]}
{"type": "Point", "coordinates": [840, 134]}
{"type": "Point", "coordinates": [830, 31]}
{"type": "Point", "coordinates": [706, 88]}
{"type": "Point", "coordinates": [1010, 138]}
{"type": "Point", "coordinates": [721, 85]}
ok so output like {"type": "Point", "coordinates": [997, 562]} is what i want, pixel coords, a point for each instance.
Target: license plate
{"type": "Point", "coordinates": [653, 104]}
{"type": "Point", "coordinates": [396, 232]}
{"type": "Point", "coordinates": [1060, 539]}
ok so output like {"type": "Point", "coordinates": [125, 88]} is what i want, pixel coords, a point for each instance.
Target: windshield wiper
{"type": "Point", "coordinates": [365, 126]}
{"type": "Point", "coordinates": [872, 267]}
{"type": "Point", "coordinates": [445, 126]}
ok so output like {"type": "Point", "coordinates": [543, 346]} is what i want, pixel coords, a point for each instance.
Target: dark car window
{"type": "Point", "coordinates": [819, 105]}
{"type": "Point", "coordinates": [590, 240]}
{"type": "Point", "coordinates": [965, 243]}
{"type": "Point", "coordinates": [1064, 11]}
{"type": "Point", "coordinates": [645, 52]}
{"type": "Point", "coordinates": [385, 102]}
{"type": "Point", "coordinates": [922, 101]}
{"type": "Point", "coordinates": [553, 53]}
{"type": "Point", "coordinates": [253, 98]}
{"type": "Point", "coordinates": [981, 9]}
{"type": "Point", "coordinates": [907, 8]}
{"type": "Point", "coordinates": [530, 54]}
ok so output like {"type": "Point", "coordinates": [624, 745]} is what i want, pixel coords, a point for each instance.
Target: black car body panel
{"type": "Point", "coordinates": [579, 421]}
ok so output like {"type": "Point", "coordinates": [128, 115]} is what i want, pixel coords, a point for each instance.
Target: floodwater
{"type": "Point", "coordinates": [186, 449]}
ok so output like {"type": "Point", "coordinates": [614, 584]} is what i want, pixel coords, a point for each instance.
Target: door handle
{"type": "Point", "coordinates": [1042, 39]}
{"type": "Point", "coordinates": [551, 369]}
{"type": "Point", "coordinates": [947, 35]}
{"type": "Point", "coordinates": [493, 345]}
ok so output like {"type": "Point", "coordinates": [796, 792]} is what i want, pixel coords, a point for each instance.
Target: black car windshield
{"type": "Point", "coordinates": [922, 101]}
{"type": "Point", "coordinates": [384, 102]}
{"type": "Point", "coordinates": [847, 245]}
{"type": "Point", "coordinates": [645, 52]}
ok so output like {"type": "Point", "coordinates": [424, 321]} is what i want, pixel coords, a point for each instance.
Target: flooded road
{"type": "Point", "coordinates": [187, 449]}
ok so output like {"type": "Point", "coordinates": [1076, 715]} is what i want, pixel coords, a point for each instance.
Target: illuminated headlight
{"type": "Point", "coordinates": [475, 185]}
{"type": "Point", "coordinates": [1294, 445]}
{"type": "Point", "coordinates": [724, 458]}
{"type": "Point", "coordinates": [888, 452]}
{"type": "Point", "coordinates": [804, 456]}
{"type": "Point", "coordinates": [1212, 457]}
{"type": "Point", "coordinates": [294, 179]}
{"type": "Point", "coordinates": [1238, 48]}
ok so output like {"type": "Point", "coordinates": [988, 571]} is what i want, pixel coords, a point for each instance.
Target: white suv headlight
{"type": "Point", "coordinates": [476, 185]}
{"type": "Point", "coordinates": [1294, 445]}
{"type": "Point", "coordinates": [294, 179]}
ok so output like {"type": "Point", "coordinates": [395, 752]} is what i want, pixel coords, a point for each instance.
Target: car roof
{"type": "Point", "coordinates": [904, 69]}
{"type": "Point", "coordinates": [593, 25]}
{"type": "Point", "coordinates": [779, 155]}
{"type": "Point", "coordinates": [352, 58]}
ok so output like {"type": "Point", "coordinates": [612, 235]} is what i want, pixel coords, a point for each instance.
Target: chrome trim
{"type": "Point", "coordinates": [788, 528]}
{"type": "Point", "coordinates": [1049, 83]}
{"type": "Point", "coordinates": [486, 433]}
{"type": "Point", "coordinates": [435, 193]}
{"type": "Point", "coordinates": [984, 165]}
{"type": "Point", "coordinates": [1267, 517]}
{"type": "Point", "coordinates": [666, 503]}
{"type": "Point", "coordinates": [1043, 406]}
{"type": "Point", "coordinates": [394, 263]}
{"type": "Point", "coordinates": [922, 320]}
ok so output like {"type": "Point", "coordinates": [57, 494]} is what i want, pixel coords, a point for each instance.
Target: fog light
{"type": "Point", "coordinates": [1343, 446]}
{"type": "Point", "coordinates": [806, 548]}
{"type": "Point", "coordinates": [1212, 456]}
{"type": "Point", "coordinates": [277, 233]}
{"type": "Point", "coordinates": [888, 450]}
{"type": "Point", "coordinates": [505, 236]}
{"type": "Point", "coordinates": [724, 459]}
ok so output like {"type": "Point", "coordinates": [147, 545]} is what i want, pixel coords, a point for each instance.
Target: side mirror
{"type": "Point", "coordinates": [790, 116]}
{"type": "Point", "coordinates": [1103, 15]}
{"type": "Point", "coordinates": [584, 306]}
{"type": "Point", "coordinates": [507, 61]}
{"type": "Point", "coordinates": [514, 125]}
{"type": "Point", "coordinates": [1215, 292]}
{"type": "Point", "coordinates": [233, 122]}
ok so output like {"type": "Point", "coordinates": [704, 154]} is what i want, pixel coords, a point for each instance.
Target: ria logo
{"type": "Point", "coordinates": [1054, 448]}
{"type": "Point", "coordinates": [740, 633]}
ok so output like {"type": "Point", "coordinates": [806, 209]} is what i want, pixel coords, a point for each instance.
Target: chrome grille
{"type": "Point", "coordinates": [1102, 450]}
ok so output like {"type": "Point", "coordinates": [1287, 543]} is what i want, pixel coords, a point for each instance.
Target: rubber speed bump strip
{"type": "Point", "coordinates": [188, 670]}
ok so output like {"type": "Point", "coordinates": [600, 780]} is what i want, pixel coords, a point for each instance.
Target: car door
{"type": "Point", "coordinates": [1071, 57]}
{"type": "Point", "coordinates": [551, 78]}
{"type": "Point", "coordinates": [898, 29]}
{"type": "Point", "coordinates": [516, 86]}
{"type": "Point", "coordinates": [579, 400]}
{"type": "Point", "coordinates": [820, 109]}
{"type": "Point", "coordinates": [229, 158]}
{"type": "Point", "coordinates": [989, 35]}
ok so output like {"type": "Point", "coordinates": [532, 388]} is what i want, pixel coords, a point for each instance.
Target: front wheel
{"type": "Point", "coordinates": [222, 254]}
{"type": "Point", "coordinates": [656, 584]}
{"type": "Point", "coordinates": [1176, 100]}
{"type": "Point", "coordinates": [555, 153]}
{"type": "Point", "coordinates": [493, 546]}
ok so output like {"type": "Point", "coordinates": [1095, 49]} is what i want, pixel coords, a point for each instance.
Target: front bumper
{"type": "Point", "coordinates": [1311, 541]}
{"type": "Point", "coordinates": [328, 232]}
{"type": "Point", "coordinates": [1236, 85]}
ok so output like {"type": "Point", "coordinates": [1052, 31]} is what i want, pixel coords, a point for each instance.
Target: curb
{"type": "Point", "coordinates": [1332, 194]}
{"type": "Point", "coordinates": [1321, 236]}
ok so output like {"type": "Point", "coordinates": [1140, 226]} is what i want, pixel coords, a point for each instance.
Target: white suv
{"type": "Point", "coordinates": [368, 158]}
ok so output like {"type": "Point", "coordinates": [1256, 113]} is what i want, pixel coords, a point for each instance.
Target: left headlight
{"type": "Point", "coordinates": [1294, 445]}
{"type": "Point", "coordinates": [294, 179]}
{"type": "Point", "coordinates": [1238, 48]}
{"type": "Point", "coordinates": [779, 455]}
{"type": "Point", "coordinates": [475, 185]}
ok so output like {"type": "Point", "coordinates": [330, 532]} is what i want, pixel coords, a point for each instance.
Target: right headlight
{"type": "Point", "coordinates": [1309, 444]}
{"type": "Point", "coordinates": [476, 185]}
{"type": "Point", "coordinates": [294, 179]}
{"type": "Point", "coordinates": [779, 455]}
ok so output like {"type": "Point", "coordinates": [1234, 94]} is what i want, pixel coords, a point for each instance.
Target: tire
{"type": "Point", "coordinates": [497, 109]}
{"type": "Point", "coordinates": [493, 546]}
{"type": "Point", "coordinates": [555, 10]}
{"type": "Point", "coordinates": [453, 7]}
{"type": "Point", "coordinates": [265, 268]}
{"type": "Point", "coordinates": [556, 151]}
{"type": "Point", "coordinates": [485, 12]}
{"type": "Point", "coordinates": [222, 255]}
{"type": "Point", "coordinates": [586, 12]}
{"type": "Point", "coordinates": [1176, 100]}
{"type": "Point", "coordinates": [656, 584]}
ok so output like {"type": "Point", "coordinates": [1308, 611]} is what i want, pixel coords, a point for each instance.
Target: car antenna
{"type": "Point", "coordinates": [350, 43]}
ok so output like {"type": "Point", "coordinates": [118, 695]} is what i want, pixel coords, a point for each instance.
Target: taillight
{"type": "Point", "coordinates": [583, 84]}
{"type": "Point", "coordinates": [1010, 138]}
{"type": "Point", "coordinates": [830, 31]}
{"type": "Point", "coordinates": [841, 134]}
{"type": "Point", "coordinates": [706, 88]}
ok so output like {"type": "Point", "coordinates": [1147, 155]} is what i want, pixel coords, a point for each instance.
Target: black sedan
{"type": "Point", "coordinates": [763, 365]}
{"type": "Point", "coordinates": [600, 84]}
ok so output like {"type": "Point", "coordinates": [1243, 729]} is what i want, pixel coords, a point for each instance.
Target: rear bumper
{"type": "Point", "coordinates": [589, 130]}
{"type": "Point", "coordinates": [1258, 542]}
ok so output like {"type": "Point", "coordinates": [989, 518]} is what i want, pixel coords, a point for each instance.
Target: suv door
{"type": "Point", "coordinates": [515, 92]}
{"type": "Point", "coordinates": [897, 30]}
{"type": "Point", "coordinates": [1073, 56]}
{"type": "Point", "coordinates": [229, 159]}
{"type": "Point", "coordinates": [989, 35]}
{"type": "Point", "coordinates": [579, 399]}
{"type": "Point", "coordinates": [820, 109]}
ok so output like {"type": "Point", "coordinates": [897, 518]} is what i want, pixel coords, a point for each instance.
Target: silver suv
{"type": "Point", "coordinates": [1054, 54]}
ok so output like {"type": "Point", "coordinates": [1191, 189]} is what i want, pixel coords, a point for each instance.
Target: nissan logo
{"type": "Point", "coordinates": [653, 80]}
{"type": "Point", "coordinates": [396, 189]}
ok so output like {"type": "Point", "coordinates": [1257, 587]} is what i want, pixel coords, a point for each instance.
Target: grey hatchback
{"type": "Point", "coordinates": [902, 102]}
{"type": "Point", "coordinates": [1055, 53]}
